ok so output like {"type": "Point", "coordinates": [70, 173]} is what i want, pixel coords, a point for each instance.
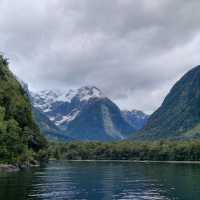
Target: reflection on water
{"type": "Point", "coordinates": [103, 180]}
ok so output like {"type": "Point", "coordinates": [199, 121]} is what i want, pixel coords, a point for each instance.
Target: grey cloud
{"type": "Point", "coordinates": [133, 50]}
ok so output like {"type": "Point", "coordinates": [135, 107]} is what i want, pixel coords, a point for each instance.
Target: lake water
{"type": "Point", "coordinates": [103, 180]}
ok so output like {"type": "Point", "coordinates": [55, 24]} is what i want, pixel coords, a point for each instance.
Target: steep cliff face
{"type": "Point", "coordinates": [100, 119]}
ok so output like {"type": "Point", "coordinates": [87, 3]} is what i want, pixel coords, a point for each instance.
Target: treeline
{"type": "Point", "coordinates": [126, 150]}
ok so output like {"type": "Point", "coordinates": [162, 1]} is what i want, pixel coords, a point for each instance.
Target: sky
{"type": "Point", "coordinates": [133, 50]}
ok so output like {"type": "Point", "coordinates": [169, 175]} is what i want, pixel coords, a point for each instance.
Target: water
{"type": "Point", "coordinates": [103, 180]}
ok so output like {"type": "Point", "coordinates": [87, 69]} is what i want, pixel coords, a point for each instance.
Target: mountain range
{"type": "Point", "coordinates": [87, 114]}
{"type": "Point", "coordinates": [83, 114]}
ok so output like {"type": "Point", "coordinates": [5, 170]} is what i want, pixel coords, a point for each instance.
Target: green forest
{"type": "Point", "coordinates": [20, 139]}
{"type": "Point", "coordinates": [127, 150]}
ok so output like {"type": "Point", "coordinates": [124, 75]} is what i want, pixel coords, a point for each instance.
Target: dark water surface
{"type": "Point", "coordinates": [103, 180]}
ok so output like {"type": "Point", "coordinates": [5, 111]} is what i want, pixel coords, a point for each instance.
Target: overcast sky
{"type": "Point", "coordinates": [134, 50]}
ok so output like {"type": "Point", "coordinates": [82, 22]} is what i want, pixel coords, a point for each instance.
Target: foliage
{"type": "Point", "coordinates": [178, 117]}
{"type": "Point", "coordinates": [20, 139]}
{"type": "Point", "coordinates": [127, 150]}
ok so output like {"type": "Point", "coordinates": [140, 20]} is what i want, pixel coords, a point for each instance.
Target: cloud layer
{"type": "Point", "coordinates": [132, 50]}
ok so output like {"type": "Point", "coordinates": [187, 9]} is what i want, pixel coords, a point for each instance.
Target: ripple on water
{"type": "Point", "coordinates": [96, 181]}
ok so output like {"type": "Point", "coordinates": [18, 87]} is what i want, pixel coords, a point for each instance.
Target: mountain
{"type": "Point", "coordinates": [61, 107]}
{"type": "Point", "coordinates": [136, 118]}
{"type": "Point", "coordinates": [100, 119]}
{"type": "Point", "coordinates": [48, 128]}
{"type": "Point", "coordinates": [83, 114]}
{"type": "Point", "coordinates": [179, 115]}
{"type": "Point", "coordinates": [19, 133]}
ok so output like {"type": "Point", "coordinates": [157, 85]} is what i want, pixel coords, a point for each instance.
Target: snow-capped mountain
{"type": "Point", "coordinates": [136, 118]}
{"type": "Point", "coordinates": [85, 113]}
{"type": "Point", "coordinates": [63, 107]}
{"type": "Point", "coordinates": [46, 99]}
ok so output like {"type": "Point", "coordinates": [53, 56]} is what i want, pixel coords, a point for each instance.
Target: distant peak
{"type": "Point", "coordinates": [89, 89]}
{"type": "Point", "coordinates": [49, 93]}
{"type": "Point", "coordinates": [136, 112]}
{"type": "Point", "coordinates": [87, 92]}
{"type": "Point", "coordinates": [83, 94]}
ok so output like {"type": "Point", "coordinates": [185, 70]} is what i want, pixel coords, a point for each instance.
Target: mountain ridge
{"type": "Point", "coordinates": [179, 112]}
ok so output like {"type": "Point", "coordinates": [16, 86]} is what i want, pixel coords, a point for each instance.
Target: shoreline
{"type": "Point", "coordinates": [137, 161]}
{"type": "Point", "coordinates": [15, 168]}
{"type": "Point", "coordinates": [9, 168]}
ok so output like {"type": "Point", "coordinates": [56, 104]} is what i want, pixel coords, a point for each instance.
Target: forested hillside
{"type": "Point", "coordinates": [179, 115]}
{"type": "Point", "coordinates": [20, 138]}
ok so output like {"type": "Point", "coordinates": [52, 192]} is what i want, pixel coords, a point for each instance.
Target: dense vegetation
{"type": "Point", "coordinates": [155, 151]}
{"type": "Point", "coordinates": [20, 138]}
{"type": "Point", "coordinates": [179, 115]}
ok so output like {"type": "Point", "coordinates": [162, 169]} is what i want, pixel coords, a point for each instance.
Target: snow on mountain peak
{"type": "Point", "coordinates": [67, 118]}
{"type": "Point", "coordinates": [44, 99]}
{"type": "Point", "coordinates": [88, 92]}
